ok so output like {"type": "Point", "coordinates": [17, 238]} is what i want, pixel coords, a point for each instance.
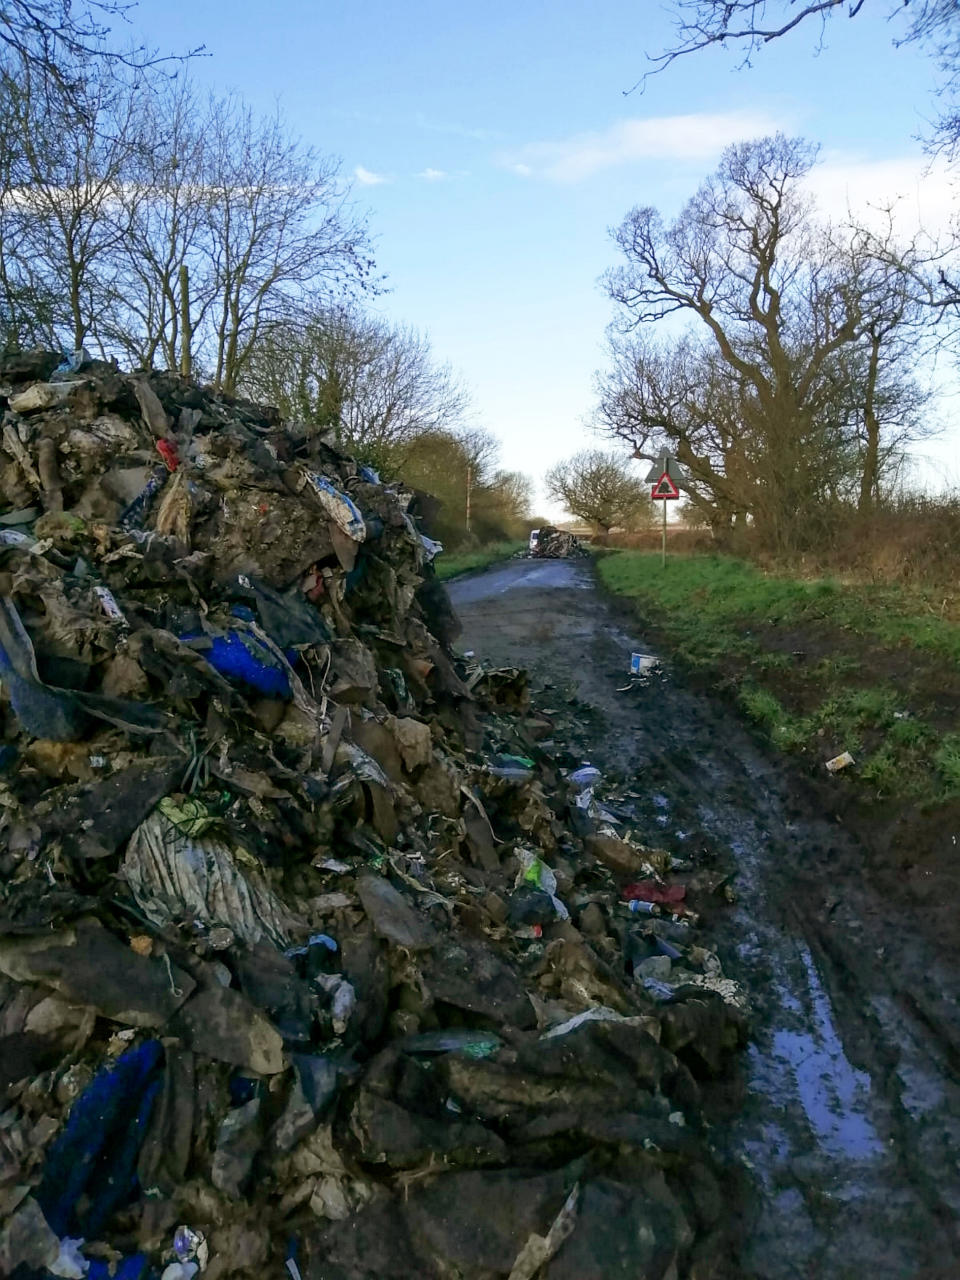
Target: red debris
{"type": "Point", "coordinates": [650, 891]}
{"type": "Point", "coordinates": [168, 452]}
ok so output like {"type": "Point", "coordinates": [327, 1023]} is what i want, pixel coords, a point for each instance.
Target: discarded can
{"type": "Point", "coordinates": [109, 605]}
{"type": "Point", "coordinates": [840, 762]}
{"type": "Point", "coordinates": [641, 908]}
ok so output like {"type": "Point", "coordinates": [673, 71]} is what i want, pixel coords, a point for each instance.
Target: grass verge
{"type": "Point", "coordinates": [451, 566]}
{"type": "Point", "coordinates": [820, 666]}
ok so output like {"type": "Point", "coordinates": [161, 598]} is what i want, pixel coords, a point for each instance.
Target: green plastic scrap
{"type": "Point", "coordinates": [192, 817]}
{"type": "Point", "coordinates": [534, 872]}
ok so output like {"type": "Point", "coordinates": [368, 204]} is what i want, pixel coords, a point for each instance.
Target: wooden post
{"type": "Point", "coordinates": [469, 486]}
{"type": "Point", "coordinates": [186, 334]}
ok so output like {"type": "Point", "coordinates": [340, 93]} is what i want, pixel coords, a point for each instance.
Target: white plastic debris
{"type": "Point", "coordinates": [599, 1013]}
{"type": "Point", "coordinates": [174, 876]}
{"type": "Point", "coordinates": [109, 605]}
{"type": "Point", "coordinates": [842, 761]}
{"type": "Point", "coordinates": [180, 1271]}
{"type": "Point", "coordinates": [343, 998]}
{"type": "Point", "coordinates": [340, 508]}
{"type": "Point", "coordinates": [70, 1263]}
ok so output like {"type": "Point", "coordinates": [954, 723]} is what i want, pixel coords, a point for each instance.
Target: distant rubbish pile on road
{"type": "Point", "coordinates": [549, 543]}
{"type": "Point", "coordinates": [319, 956]}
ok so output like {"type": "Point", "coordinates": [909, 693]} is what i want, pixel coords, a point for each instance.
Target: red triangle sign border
{"type": "Point", "coordinates": [665, 487]}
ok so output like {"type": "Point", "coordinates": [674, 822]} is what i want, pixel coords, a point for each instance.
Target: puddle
{"type": "Point", "coordinates": [808, 1061]}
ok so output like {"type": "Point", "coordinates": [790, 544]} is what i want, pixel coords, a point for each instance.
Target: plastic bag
{"type": "Point", "coordinates": [176, 877]}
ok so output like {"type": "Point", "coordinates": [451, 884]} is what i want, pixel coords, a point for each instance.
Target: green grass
{"type": "Point", "coordinates": [728, 618]}
{"type": "Point", "coordinates": [449, 566]}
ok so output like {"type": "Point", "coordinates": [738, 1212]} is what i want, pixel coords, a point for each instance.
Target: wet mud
{"type": "Point", "coordinates": [844, 1129]}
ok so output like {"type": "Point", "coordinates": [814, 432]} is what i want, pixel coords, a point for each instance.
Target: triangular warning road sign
{"type": "Point", "coordinates": [665, 488]}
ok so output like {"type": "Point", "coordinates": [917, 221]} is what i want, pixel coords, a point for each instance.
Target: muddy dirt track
{"type": "Point", "coordinates": [847, 1119]}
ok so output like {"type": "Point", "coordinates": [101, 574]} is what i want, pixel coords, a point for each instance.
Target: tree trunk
{"type": "Point", "coordinates": [869, 480]}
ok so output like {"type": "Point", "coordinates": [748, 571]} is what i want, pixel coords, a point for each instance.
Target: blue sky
{"type": "Point", "coordinates": [494, 147]}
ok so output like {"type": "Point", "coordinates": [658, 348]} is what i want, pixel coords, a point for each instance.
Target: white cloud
{"type": "Point", "coordinates": [433, 175]}
{"type": "Point", "coordinates": [923, 194]}
{"type": "Point", "coordinates": [367, 178]}
{"type": "Point", "coordinates": [690, 137]}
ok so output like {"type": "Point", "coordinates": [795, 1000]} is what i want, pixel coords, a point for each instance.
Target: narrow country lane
{"type": "Point", "coordinates": [849, 1122]}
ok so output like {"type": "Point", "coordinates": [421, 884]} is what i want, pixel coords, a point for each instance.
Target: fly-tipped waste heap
{"type": "Point", "coordinates": [309, 955]}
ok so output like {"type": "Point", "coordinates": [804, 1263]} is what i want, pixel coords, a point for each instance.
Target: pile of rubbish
{"type": "Point", "coordinates": [319, 957]}
{"type": "Point", "coordinates": [555, 544]}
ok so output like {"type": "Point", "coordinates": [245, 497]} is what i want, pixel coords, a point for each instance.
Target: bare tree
{"type": "Point", "coordinates": [279, 223]}
{"type": "Point", "coordinates": [601, 489]}
{"type": "Point", "coordinates": [779, 306]}
{"type": "Point", "coordinates": [753, 24]}
{"type": "Point", "coordinates": [376, 383]}
{"type": "Point", "coordinates": [161, 227]}
{"type": "Point", "coordinates": [58, 43]}
{"type": "Point", "coordinates": [60, 201]}
{"type": "Point", "coordinates": [680, 395]}
{"type": "Point", "coordinates": [164, 199]}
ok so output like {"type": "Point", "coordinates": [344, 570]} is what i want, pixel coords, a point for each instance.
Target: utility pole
{"type": "Point", "coordinates": [469, 489]}
{"type": "Point", "coordinates": [186, 334]}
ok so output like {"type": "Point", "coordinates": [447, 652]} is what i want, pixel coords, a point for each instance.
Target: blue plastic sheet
{"type": "Point", "coordinates": [90, 1170]}
{"type": "Point", "coordinates": [338, 506]}
{"type": "Point", "coordinates": [239, 655]}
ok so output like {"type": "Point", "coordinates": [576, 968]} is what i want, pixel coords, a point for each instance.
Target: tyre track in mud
{"type": "Point", "coordinates": [848, 1117]}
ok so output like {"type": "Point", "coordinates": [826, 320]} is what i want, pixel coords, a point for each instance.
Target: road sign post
{"type": "Point", "coordinates": [663, 538]}
{"type": "Point", "coordinates": [666, 489]}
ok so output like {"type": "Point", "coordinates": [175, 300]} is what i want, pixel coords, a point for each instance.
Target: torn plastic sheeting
{"type": "Point", "coordinates": [431, 548]}
{"type": "Point", "coordinates": [72, 361]}
{"type": "Point", "coordinates": [343, 998]}
{"type": "Point", "coordinates": [240, 656]}
{"type": "Point", "coordinates": [287, 618]}
{"type": "Point", "coordinates": [342, 509]}
{"type": "Point", "coordinates": [135, 513]}
{"type": "Point", "coordinates": [599, 1013]}
{"type": "Point", "coordinates": [14, 538]}
{"type": "Point", "coordinates": [729, 991]}
{"type": "Point", "coordinates": [46, 711]}
{"type": "Point", "coordinates": [585, 777]}
{"type": "Point", "coordinates": [174, 877]}
{"type": "Point", "coordinates": [474, 1044]}
{"type": "Point", "coordinates": [533, 870]}
{"type": "Point", "coordinates": [180, 1271]}
{"type": "Point", "coordinates": [91, 1168]}
{"type": "Point", "coordinates": [650, 891]}
{"type": "Point", "coordinates": [316, 940]}
{"type": "Point", "coordinates": [361, 765]}
{"type": "Point", "coordinates": [511, 768]}
{"type": "Point", "coordinates": [109, 604]}
{"type": "Point", "coordinates": [70, 1264]}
